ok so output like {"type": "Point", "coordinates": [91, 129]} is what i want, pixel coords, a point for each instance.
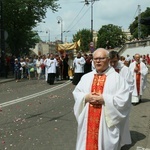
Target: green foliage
{"type": "Point", "coordinates": [145, 29]}
{"type": "Point", "coordinates": [110, 36]}
{"type": "Point", "coordinates": [84, 36]}
{"type": "Point", "coordinates": [20, 17]}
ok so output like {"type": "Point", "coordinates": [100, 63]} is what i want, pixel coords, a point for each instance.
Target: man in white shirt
{"type": "Point", "coordinates": [78, 65]}
{"type": "Point", "coordinates": [51, 65]}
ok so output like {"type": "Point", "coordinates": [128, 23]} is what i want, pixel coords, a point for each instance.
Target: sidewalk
{"type": "Point", "coordinates": [4, 80]}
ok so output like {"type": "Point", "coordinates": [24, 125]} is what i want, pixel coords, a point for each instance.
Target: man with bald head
{"type": "Point", "coordinates": [139, 73]}
{"type": "Point", "coordinates": [102, 107]}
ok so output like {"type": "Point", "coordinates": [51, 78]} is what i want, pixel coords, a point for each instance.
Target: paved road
{"type": "Point", "coordinates": [44, 119]}
{"type": "Point", "coordinates": [43, 122]}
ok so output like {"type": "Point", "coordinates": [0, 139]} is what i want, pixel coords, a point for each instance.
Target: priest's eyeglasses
{"type": "Point", "coordinates": [100, 58]}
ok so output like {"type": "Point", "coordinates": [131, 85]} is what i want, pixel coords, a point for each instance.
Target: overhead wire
{"type": "Point", "coordinates": [76, 17]}
{"type": "Point", "coordinates": [79, 19]}
{"type": "Point", "coordinates": [134, 14]}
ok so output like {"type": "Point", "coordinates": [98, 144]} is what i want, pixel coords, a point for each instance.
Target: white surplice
{"type": "Point", "coordinates": [51, 65]}
{"type": "Point", "coordinates": [78, 64]}
{"type": "Point", "coordinates": [113, 131]}
{"type": "Point", "coordinates": [126, 73]}
{"type": "Point", "coordinates": [143, 80]}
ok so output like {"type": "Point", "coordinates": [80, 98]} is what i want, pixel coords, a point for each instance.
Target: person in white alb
{"type": "Point", "coordinates": [102, 107]}
{"type": "Point", "coordinates": [51, 65]}
{"type": "Point", "coordinates": [139, 73]}
{"type": "Point", "coordinates": [78, 65]}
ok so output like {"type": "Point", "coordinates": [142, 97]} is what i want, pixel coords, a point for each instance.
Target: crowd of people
{"type": "Point", "coordinates": [63, 67]}
{"type": "Point", "coordinates": [52, 67]}
{"type": "Point", "coordinates": [103, 98]}
{"type": "Point", "coordinates": [49, 67]}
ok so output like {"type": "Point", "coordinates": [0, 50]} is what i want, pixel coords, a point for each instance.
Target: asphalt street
{"type": "Point", "coordinates": [38, 122]}
{"type": "Point", "coordinates": [38, 116]}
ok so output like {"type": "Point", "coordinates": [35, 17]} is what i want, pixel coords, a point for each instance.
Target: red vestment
{"type": "Point", "coordinates": [138, 78]}
{"type": "Point", "coordinates": [94, 114]}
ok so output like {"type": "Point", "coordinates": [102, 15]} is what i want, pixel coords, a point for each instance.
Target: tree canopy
{"type": "Point", "coordinates": [84, 36]}
{"type": "Point", "coordinates": [20, 17]}
{"type": "Point", "coordinates": [145, 29]}
{"type": "Point", "coordinates": [110, 36]}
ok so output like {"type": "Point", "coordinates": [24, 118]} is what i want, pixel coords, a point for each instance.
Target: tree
{"type": "Point", "coordinates": [110, 36]}
{"type": "Point", "coordinates": [84, 36]}
{"type": "Point", "coordinates": [20, 17]}
{"type": "Point", "coordinates": [145, 29]}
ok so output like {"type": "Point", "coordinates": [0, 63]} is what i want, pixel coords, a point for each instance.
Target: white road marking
{"type": "Point", "coordinates": [34, 95]}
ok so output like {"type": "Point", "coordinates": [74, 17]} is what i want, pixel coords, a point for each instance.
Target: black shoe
{"type": "Point", "coordinates": [134, 104]}
{"type": "Point", "coordinates": [140, 100]}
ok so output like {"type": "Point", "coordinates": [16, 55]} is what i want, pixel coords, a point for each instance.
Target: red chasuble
{"type": "Point", "coordinates": [94, 114]}
{"type": "Point", "coordinates": [138, 78]}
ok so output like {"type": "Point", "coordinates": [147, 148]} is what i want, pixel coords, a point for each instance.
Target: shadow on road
{"type": "Point", "coordinates": [135, 137]}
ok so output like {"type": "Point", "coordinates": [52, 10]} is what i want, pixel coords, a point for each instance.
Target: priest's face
{"type": "Point", "coordinates": [137, 58]}
{"type": "Point", "coordinates": [101, 60]}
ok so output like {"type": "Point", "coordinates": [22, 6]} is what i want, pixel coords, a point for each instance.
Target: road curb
{"type": "Point", "coordinates": [6, 80]}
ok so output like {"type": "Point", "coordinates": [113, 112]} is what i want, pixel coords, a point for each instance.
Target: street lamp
{"type": "Point", "coordinates": [48, 31]}
{"type": "Point", "coordinates": [87, 2]}
{"type": "Point", "coordinates": [60, 21]}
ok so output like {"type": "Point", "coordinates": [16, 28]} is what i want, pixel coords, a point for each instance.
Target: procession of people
{"type": "Point", "coordinates": [106, 86]}
{"type": "Point", "coordinates": [57, 67]}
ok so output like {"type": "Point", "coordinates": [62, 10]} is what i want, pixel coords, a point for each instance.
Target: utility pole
{"type": "Point", "coordinates": [92, 2]}
{"type": "Point", "coordinates": [139, 21]}
{"type": "Point", "coordinates": [60, 21]}
{"type": "Point", "coordinates": [87, 2]}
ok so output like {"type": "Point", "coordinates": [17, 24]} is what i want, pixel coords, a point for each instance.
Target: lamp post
{"type": "Point", "coordinates": [48, 31]}
{"type": "Point", "coordinates": [49, 43]}
{"type": "Point", "coordinates": [60, 21]}
{"type": "Point", "coordinates": [87, 2]}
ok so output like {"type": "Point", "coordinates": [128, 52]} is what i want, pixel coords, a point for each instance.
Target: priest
{"type": "Point", "coordinates": [122, 69]}
{"type": "Point", "coordinates": [139, 72]}
{"type": "Point", "coordinates": [102, 107]}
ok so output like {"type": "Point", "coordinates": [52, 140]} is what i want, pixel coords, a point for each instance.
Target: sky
{"type": "Point", "coordinates": [75, 16]}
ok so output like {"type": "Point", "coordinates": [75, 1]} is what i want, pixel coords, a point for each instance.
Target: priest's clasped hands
{"type": "Point", "coordinates": [94, 98]}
